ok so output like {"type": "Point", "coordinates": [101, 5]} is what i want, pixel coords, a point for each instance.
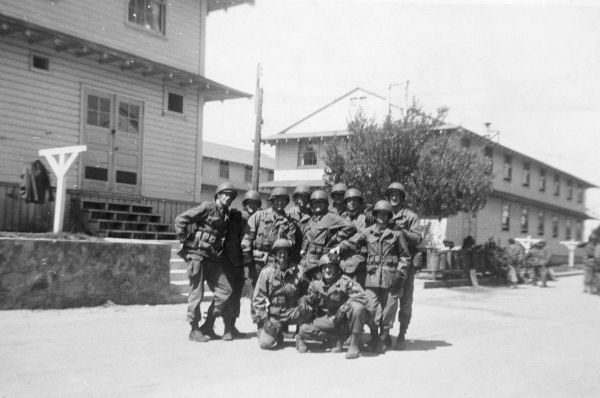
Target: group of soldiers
{"type": "Point", "coordinates": [529, 267]}
{"type": "Point", "coordinates": [327, 270]}
{"type": "Point", "coordinates": [591, 263]}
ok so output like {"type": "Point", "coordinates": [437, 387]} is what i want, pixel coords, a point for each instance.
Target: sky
{"type": "Point", "coordinates": [530, 68]}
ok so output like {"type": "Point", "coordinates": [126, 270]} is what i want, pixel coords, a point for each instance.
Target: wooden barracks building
{"type": "Point", "coordinates": [529, 197]}
{"type": "Point", "coordinates": [126, 79]}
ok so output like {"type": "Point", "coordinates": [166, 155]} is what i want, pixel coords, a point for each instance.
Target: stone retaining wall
{"type": "Point", "coordinates": [44, 273]}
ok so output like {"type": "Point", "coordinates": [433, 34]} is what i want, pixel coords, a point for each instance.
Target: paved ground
{"type": "Point", "coordinates": [466, 342]}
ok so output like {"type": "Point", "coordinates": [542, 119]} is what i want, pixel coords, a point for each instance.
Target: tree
{"type": "Point", "coordinates": [442, 176]}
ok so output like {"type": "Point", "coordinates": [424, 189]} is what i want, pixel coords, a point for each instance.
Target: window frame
{"type": "Point", "coordinates": [301, 154]}
{"type": "Point", "coordinates": [526, 175]}
{"type": "Point", "coordinates": [555, 226]}
{"type": "Point", "coordinates": [541, 227]}
{"type": "Point", "coordinates": [167, 90]}
{"type": "Point", "coordinates": [505, 217]}
{"type": "Point", "coordinates": [247, 173]}
{"type": "Point", "coordinates": [141, 26]}
{"type": "Point", "coordinates": [507, 168]}
{"type": "Point", "coordinates": [32, 68]}
{"type": "Point", "coordinates": [579, 193]}
{"type": "Point", "coordinates": [568, 229]}
{"type": "Point", "coordinates": [569, 189]}
{"type": "Point", "coordinates": [556, 185]}
{"type": "Point", "coordinates": [224, 168]}
{"type": "Point", "coordinates": [488, 154]}
{"type": "Point", "coordinates": [542, 180]}
{"type": "Point", "coordinates": [524, 222]}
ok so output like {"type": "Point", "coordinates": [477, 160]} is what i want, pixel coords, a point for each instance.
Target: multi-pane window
{"type": "Point", "coordinates": [524, 220]}
{"type": "Point", "coordinates": [223, 169]}
{"type": "Point", "coordinates": [568, 228]}
{"type": "Point", "coordinates": [98, 111]}
{"type": "Point", "coordinates": [248, 173]}
{"type": "Point", "coordinates": [507, 171]}
{"type": "Point", "coordinates": [489, 159]}
{"type": "Point", "coordinates": [556, 185]}
{"type": "Point", "coordinates": [129, 117]}
{"type": "Point", "coordinates": [308, 154]}
{"type": "Point", "coordinates": [174, 102]}
{"type": "Point", "coordinates": [505, 217]}
{"type": "Point", "coordinates": [555, 227]}
{"type": "Point", "coordinates": [540, 226]}
{"type": "Point", "coordinates": [542, 180]}
{"type": "Point", "coordinates": [569, 190]}
{"type": "Point", "coordinates": [526, 175]}
{"type": "Point", "coordinates": [148, 13]}
{"type": "Point", "coordinates": [579, 194]}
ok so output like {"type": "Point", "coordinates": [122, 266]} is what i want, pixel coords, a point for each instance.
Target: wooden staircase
{"type": "Point", "coordinates": [124, 220]}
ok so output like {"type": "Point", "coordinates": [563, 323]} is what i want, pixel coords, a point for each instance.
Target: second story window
{"type": "Point", "coordinates": [568, 229]}
{"type": "Point", "coordinates": [540, 226]}
{"type": "Point", "coordinates": [308, 154]}
{"type": "Point", "coordinates": [569, 190]}
{"type": "Point", "coordinates": [489, 159]}
{"type": "Point", "coordinates": [526, 174]}
{"type": "Point", "coordinates": [223, 169]}
{"type": "Point", "coordinates": [579, 193]}
{"type": "Point", "coordinates": [248, 173]}
{"type": "Point", "coordinates": [507, 168]}
{"type": "Point", "coordinates": [556, 185]}
{"type": "Point", "coordinates": [148, 13]}
{"type": "Point", "coordinates": [505, 217]}
{"type": "Point", "coordinates": [542, 180]}
{"type": "Point", "coordinates": [524, 220]}
{"type": "Point", "coordinates": [578, 231]}
{"type": "Point", "coordinates": [555, 227]}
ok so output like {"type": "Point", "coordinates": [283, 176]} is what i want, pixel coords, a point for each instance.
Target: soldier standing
{"type": "Point", "coordinates": [262, 230]}
{"type": "Point", "coordinates": [537, 258]}
{"type": "Point", "coordinates": [515, 254]}
{"type": "Point", "coordinates": [339, 305]}
{"type": "Point", "coordinates": [589, 262]}
{"type": "Point", "coordinates": [275, 300]}
{"type": "Point", "coordinates": [388, 262]}
{"type": "Point", "coordinates": [300, 214]}
{"type": "Point", "coordinates": [325, 232]}
{"type": "Point", "coordinates": [407, 221]}
{"type": "Point", "coordinates": [201, 231]}
{"type": "Point", "coordinates": [337, 197]}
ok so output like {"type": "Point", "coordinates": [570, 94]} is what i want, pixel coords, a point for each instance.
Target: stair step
{"type": "Point", "coordinates": [118, 207]}
{"type": "Point", "coordinates": [178, 275]}
{"type": "Point", "coordinates": [142, 209]}
{"type": "Point", "coordinates": [178, 264]}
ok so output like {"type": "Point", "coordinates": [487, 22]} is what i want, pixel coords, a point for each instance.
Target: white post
{"type": "Point", "coordinates": [60, 168]}
{"type": "Point", "coordinates": [571, 245]}
{"type": "Point", "coordinates": [527, 242]}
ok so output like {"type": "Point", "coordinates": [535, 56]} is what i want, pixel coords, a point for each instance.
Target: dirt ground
{"type": "Point", "coordinates": [464, 342]}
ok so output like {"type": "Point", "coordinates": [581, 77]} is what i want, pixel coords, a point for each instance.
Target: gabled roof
{"type": "Point", "coordinates": [235, 155]}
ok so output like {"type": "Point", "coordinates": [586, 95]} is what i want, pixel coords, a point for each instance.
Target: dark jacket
{"type": "Point", "coordinates": [35, 184]}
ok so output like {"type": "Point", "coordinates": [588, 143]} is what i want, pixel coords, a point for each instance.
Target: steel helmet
{"type": "Point", "coordinates": [353, 193]}
{"type": "Point", "coordinates": [281, 244]}
{"type": "Point", "coordinates": [395, 186]}
{"type": "Point", "coordinates": [325, 260]}
{"type": "Point", "coordinates": [340, 187]}
{"type": "Point", "coordinates": [280, 192]}
{"type": "Point", "coordinates": [383, 205]}
{"type": "Point", "coordinates": [252, 195]}
{"type": "Point", "coordinates": [319, 194]}
{"type": "Point", "coordinates": [226, 186]}
{"type": "Point", "coordinates": [301, 190]}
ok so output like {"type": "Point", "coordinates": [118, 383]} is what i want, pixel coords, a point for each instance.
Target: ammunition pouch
{"type": "Point", "coordinates": [207, 242]}
{"type": "Point", "coordinates": [317, 250]}
{"type": "Point", "coordinates": [260, 256]}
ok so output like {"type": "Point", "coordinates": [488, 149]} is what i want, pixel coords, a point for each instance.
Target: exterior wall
{"type": "Point", "coordinates": [237, 174]}
{"type": "Point", "coordinates": [106, 22]}
{"type": "Point", "coordinates": [44, 110]}
{"type": "Point", "coordinates": [287, 161]}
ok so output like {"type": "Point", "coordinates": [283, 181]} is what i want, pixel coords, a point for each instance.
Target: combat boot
{"type": "Point", "coordinates": [208, 327]}
{"type": "Point", "coordinates": [228, 330]}
{"type": "Point", "coordinates": [401, 341]}
{"type": "Point", "coordinates": [372, 344]}
{"type": "Point", "coordinates": [301, 345]}
{"type": "Point", "coordinates": [382, 344]}
{"type": "Point", "coordinates": [337, 346]}
{"type": "Point", "coordinates": [354, 347]}
{"type": "Point", "coordinates": [236, 333]}
{"type": "Point", "coordinates": [197, 335]}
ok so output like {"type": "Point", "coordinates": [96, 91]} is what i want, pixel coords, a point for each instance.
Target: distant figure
{"type": "Point", "coordinates": [537, 259]}
{"type": "Point", "coordinates": [589, 271]}
{"type": "Point", "coordinates": [515, 255]}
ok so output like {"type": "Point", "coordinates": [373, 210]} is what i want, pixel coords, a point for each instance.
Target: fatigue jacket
{"type": "Point", "coordinates": [300, 219]}
{"type": "Point", "coordinates": [206, 224]}
{"type": "Point", "coordinates": [388, 258]}
{"type": "Point", "coordinates": [232, 247]}
{"type": "Point", "coordinates": [263, 228]}
{"type": "Point", "coordinates": [326, 298]}
{"type": "Point", "coordinates": [276, 293]}
{"type": "Point", "coordinates": [537, 257]}
{"type": "Point", "coordinates": [322, 233]}
{"type": "Point", "coordinates": [407, 221]}
{"type": "Point", "coordinates": [516, 254]}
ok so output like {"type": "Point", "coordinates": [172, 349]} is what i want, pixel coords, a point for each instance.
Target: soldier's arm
{"type": "Point", "coordinates": [250, 230]}
{"type": "Point", "coordinates": [403, 255]}
{"type": "Point", "coordinates": [260, 297]}
{"type": "Point", "coordinates": [183, 220]}
{"type": "Point", "coordinates": [341, 230]}
{"type": "Point", "coordinates": [413, 231]}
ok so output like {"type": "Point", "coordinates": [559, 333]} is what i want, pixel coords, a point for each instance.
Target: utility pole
{"type": "Point", "coordinates": [257, 130]}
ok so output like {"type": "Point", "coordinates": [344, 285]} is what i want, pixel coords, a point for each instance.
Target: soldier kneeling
{"type": "Point", "coordinates": [340, 307]}
{"type": "Point", "coordinates": [275, 300]}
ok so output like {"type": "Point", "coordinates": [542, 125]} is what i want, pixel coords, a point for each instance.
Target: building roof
{"type": "Point", "coordinates": [292, 183]}
{"type": "Point", "coordinates": [214, 5]}
{"type": "Point", "coordinates": [235, 155]}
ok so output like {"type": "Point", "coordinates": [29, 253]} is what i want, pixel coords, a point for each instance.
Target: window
{"type": "Point", "coordinates": [248, 173]}
{"type": "Point", "coordinates": [357, 103]}
{"type": "Point", "coordinates": [526, 174]}
{"type": "Point", "coordinates": [568, 228]}
{"type": "Point", "coordinates": [540, 226]}
{"type": "Point", "coordinates": [149, 14]}
{"type": "Point", "coordinates": [569, 190]}
{"type": "Point", "coordinates": [524, 220]}
{"type": "Point", "coordinates": [556, 185]}
{"type": "Point", "coordinates": [223, 169]}
{"type": "Point", "coordinates": [175, 102]}
{"type": "Point", "coordinates": [507, 168]}
{"type": "Point", "coordinates": [270, 175]}
{"type": "Point", "coordinates": [555, 227]}
{"type": "Point", "coordinates": [129, 117]}
{"type": "Point", "coordinates": [489, 157]}
{"type": "Point", "coordinates": [308, 154]}
{"type": "Point", "coordinates": [579, 193]}
{"type": "Point", "coordinates": [98, 111]}
{"type": "Point", "coordinates": [40, 63]}
{"type": "Point", "coordinates": [506, 217]}
{"type": "Point", "coordinates": [578, 231]}
{"type": "Point", "coordinates": [542, 180]}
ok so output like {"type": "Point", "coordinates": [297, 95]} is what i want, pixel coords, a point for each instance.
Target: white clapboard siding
{"type": "Point", "coordinates": [287, 155]}
{"type": "Point", "coordinates": [41, 110]}
{"type": "Point", "coordinates": [105, 22]}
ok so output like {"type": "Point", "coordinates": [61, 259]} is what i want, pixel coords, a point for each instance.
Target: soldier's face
{"type": "Point", "coordinates": [329, 271]}
{"type": "Point", "coordinates": [352, 204]}
{"type": "Point", "coordinates": [396, 198]}
{"type": "Point", "coordinates": [319, 206]}
{"type": "Point", "coordinates": [301, 201]}
{"type": "Point", "coordinates": [251, 207]}
{"type": "Point", "coordinates": [279, 203]}
{"type": "Point", "coordinates": [383, 217]}
{"type": "Point", "coordinates": [225, 198]}
{"type": "Point", "coordinates": [337, 197]}
{"type": "Point", "coordinates": [282, 258]}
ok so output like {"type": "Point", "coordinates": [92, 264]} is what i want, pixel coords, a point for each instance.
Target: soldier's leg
{"type": "Point", "coordinates": [271, 335]}
{"type": "Point", "coordinates": [194, 315]}
{"type": "Point", "coordinates": [218, 283]}
{"type": "Point", "coordinates": [389, 302]}
{"type": "Point", "coordinates": [406, 301]}
{"type": "Point", "coordinates": [512, 276]}
{"type": "Point", "coordinates": [357, 318]}
{"type": "Point", "coordinates": [543, 275]}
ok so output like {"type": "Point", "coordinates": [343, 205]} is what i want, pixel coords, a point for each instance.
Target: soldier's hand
{"type": "Point", "coordinates": [248, 259]}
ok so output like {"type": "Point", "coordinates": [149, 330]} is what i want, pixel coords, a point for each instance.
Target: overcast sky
{"type": "Point", "coordinates": [532, 70]}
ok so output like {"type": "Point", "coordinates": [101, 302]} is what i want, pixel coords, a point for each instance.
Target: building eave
{"type": "Point", "coordinates": [582, 214]}
{"type": "Point", "coordinates": [61, 42]}
{"type": "Point", "coordinates": [215, 5]}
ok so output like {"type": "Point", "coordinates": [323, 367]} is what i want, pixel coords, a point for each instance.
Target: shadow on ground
{"type": "Point", "coordinates": [425, 345]}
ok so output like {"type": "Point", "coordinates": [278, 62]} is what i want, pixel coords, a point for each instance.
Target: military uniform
{"type": "Point", "coordinates": [515, 255]}
{"type": "Point", "coordinates": [537, 259]}
{"type": "Point", "coordinates": [208, 223]}
{"type": "Point", "coordinates": [262, 229]}
{"type": "Point", "coordinates": [353, 263]}
{"type": "Point", "coordinates": [275, 304]}
{"type": "Point", "coordinates": [589, 271]}
{"type": "Point", "coordinates": [300, 218]}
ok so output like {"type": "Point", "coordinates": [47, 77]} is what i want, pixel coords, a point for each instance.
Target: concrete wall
{"type": "Point", "coordinates": [44, 273]}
